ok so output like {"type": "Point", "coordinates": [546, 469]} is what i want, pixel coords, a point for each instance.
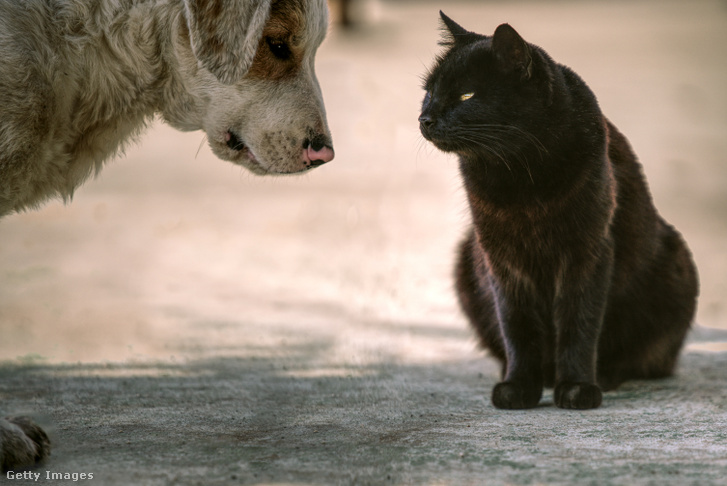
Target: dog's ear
{"type": "Point", "coordinates": [225, 34]}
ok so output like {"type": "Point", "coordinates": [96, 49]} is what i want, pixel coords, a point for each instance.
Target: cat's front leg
{"type": "Point", "coordinates": [516, 395]}
{"type": "Point", "coordinates": [578, 315]}
{"type": "Point", "coordinates": [522, 332]}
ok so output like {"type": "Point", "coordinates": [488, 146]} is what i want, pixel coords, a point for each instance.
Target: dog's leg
{"type": "Point", "coordinates": [22, 443]}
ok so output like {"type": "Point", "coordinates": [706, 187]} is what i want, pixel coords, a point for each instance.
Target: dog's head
{"type": "Point", "coordinates": [253, 85]}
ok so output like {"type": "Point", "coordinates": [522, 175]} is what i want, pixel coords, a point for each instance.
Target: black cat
{"type": "Point", "coordinates": [569, 275]}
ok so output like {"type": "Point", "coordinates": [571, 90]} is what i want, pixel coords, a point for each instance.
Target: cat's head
{"type": "Point", "coordinates": [484, 89]}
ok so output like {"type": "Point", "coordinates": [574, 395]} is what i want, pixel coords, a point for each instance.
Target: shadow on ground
{"type": "Point", "coordinates": [288, 420]}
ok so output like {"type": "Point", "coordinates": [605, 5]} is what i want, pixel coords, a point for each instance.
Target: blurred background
{"type": "Point", "coordinates": [173, 254]}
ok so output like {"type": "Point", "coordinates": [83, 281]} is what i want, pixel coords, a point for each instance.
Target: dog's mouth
{"type": "Point", "coordinates": [234, 142]}
{"type": "Point", "coordinates": [241, 150]}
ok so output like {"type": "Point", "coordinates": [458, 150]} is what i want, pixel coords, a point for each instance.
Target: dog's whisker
{"type": "Point", "coordinates": [201, 143]}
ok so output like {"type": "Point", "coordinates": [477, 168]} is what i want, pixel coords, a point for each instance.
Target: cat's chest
{"type": "Point", "coordinates": [517, 222]}
{"type": "Point", "coordinates": [538, 232]}
{"type": "Point", "coordinates": [529, 249]}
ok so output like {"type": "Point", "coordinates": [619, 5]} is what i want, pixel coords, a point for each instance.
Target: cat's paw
{"type": "Point", "coordinates": [580, 396]}
{"type": "Point", "coordinates": [22, 443]}
{"type": "Point", "coordinates": [514, 396]}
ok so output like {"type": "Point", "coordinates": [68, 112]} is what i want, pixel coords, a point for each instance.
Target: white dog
{"type": "Point", "coordinates": [79, 79]}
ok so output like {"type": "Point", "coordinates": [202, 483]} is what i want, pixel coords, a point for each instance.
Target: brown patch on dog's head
{"type": "Point", "coordinates": [280, 51]}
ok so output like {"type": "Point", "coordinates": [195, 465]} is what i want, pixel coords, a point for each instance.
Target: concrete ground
{"type": "Point", "coordinates": [184, 322]}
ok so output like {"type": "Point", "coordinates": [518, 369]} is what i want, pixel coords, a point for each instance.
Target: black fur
{"type": "Point", "coordinates": [569, 275]}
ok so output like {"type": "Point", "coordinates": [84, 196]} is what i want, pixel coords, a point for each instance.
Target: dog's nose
{"type": "Point", "coordinates": [319, 157]}
{"type": "Point", "coordinates": [318, 152]}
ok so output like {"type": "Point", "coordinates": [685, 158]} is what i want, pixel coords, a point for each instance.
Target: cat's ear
{"type": "Point", "coordinates": [512, 52]}
{"type": "Point", "coordinates": [453, 33]}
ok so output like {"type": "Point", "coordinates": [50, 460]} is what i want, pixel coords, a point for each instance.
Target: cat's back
{"type": "Point", "coordinates": [642, 238]}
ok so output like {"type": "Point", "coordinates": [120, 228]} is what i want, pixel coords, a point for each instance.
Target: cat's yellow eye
{"type": "Point", "coordinates": [466, 96]}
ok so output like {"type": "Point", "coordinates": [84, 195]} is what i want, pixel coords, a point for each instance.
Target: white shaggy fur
{"type": "Point", "coordinates": [80, 78]}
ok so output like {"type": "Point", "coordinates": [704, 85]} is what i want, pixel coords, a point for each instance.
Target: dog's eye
{"type": "Point", "coordinates": [466, 96]}
{"type": "Point", "coordinates": [280, 49]}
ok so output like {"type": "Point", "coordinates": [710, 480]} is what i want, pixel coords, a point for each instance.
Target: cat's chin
{"type": "Point", "coordinates": [462, 153]}
{"type": "Point", "coordinates": [447, 147]}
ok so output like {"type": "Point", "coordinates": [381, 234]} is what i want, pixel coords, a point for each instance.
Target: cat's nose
{"type": "Point", "coordinates": [426, 121]}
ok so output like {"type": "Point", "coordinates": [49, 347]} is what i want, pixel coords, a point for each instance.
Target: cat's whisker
{"type": "Point", "coordinates": [493, 144]}
{"type": "Point", "coordinates": [511, 128]}
{"type": "Point", "coordinates": [541, 150]}
{"type": "Point", "coordinates": [478, 140]}
{"type": "Point", "coordinates": [524, 163]}
{"type": "Point", "coordinates": [422, 144]}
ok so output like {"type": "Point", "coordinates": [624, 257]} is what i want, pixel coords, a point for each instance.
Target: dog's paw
{"type": "Point", "coordinates": [514, 396]}
{"type": "Point", "coordinates": [22, 443]}
{"type": "Point", "coordinates": [580, 396]}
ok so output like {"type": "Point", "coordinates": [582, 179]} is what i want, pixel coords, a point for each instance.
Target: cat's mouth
{"type": "Point", "coordinates": [445, 141]}
{"type": "Point", "coordinates": [441, 143]}
{"type": "Point", "coordinates": [429, 131]}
